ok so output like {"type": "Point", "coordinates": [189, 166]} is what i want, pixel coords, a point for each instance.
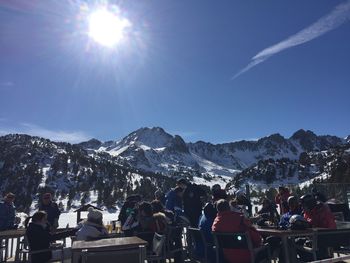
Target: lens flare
{"type": "Point", "coordinates": [106, 28]}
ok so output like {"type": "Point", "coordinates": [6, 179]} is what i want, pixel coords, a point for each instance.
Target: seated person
{"type": "Point", "coordinates": [294, 209]}
{"type": "Point", "coordinates": [205, 224]}
{"type": "Point", "coordinates": [39, 237]}
{"type": "Point", "coordinates": [218, 193]}
{"type": "Point", "coordinates": [268, 212]}
{"type": "Point", "coordinates": [228, 221]}
{"type": "Point", "coordinates": [128, 207]}
{"type": "Point", "coordinates": [244, 202]}
{"type": "Point", "coordinates": [317, 213]}
{"type": "Point", "coordinates": [92, 228]}
{"type": "Point", "coordinates": [8, 213]}
{"type": "Point", "coordinates": [160, 213]}
{"type": "Point", "coordinates": [238, 208]}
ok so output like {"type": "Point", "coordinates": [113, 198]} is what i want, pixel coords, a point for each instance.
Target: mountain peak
{"type": "Point", "coordinates": [154, 137]}
{"type": "Point", "coordinates": [91, 144]}
{"type": "Point", "coordinates": [302, 134]}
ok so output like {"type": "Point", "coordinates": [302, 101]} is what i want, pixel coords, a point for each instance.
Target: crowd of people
{"type": "Point", "coordinates": [187, 204]}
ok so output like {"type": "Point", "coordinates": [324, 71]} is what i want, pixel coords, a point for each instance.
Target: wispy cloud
{"type": "Point", "coordinates": [54, 135]}
{"type": "Point", "coordinates": [338, 16]}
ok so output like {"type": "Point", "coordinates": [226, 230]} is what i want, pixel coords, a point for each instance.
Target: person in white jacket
{"type": "Point", "coordinates": [92, 228]}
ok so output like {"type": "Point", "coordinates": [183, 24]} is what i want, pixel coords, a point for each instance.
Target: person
{"type": "Point", "coordinates": [159, 195]}
{"type": "Point", "coordinates": [268, 212]}
{"type": "Point", "coordinates": [281, 199]}
{"type": "Point", "coordinates": [228, 221]}
{"type": "Point", "coordinates": [92, 227]}
{"type": "Point", "coordinates": [317, 213]}
{"type": "Point", "coordinates": [290, 220]}
{"type": "Point", "coordinates": [129, 204]}
{"type": "Point", "coordinates": [172, 221]}
{"type": "Point", "coordinates": [52, 210]}
{"type": "Point", "coordinates": [319, 196]}
{"type": "Point", "coordinates": [192, 202]}
{"type": "Point", "coordinates": [145, 218]}
{"type": "Point", "coordinates": [294, 209]}
{"type": "Point", "coordinates": [244, 202]}
{"type": "Point", "coordinates": [158, 207]}
{"type": "Point", "coordinates": [8, 213]}
{"type": "Point", "coordinates": [218, 193]}
{"type": "Point", "coordinates": [40, 238]}
{"type": "Point", "coordinates": [205, 224]}
{"type": "Point", "coordinates": [174, 200]}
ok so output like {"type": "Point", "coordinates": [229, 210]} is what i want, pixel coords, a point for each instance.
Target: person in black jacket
{"type": "Point", "coordinates": [51, 208]}
{"type": "Point", "coordinates": [192, 202]}
{"type": "Point", "coordinates": [39, 236]}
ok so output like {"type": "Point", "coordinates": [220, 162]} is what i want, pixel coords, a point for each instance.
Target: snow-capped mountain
{"type": "Point", "coordinates": [31, 165]}
{"type": "Point", "coordinates": [331, 165]}
{"type": "Point", "coordinates": [150, 158]}
{"type": "Point", "coordinates": [153, 149]}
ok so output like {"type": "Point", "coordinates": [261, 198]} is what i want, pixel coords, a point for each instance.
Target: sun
{"type": "Point", "coordinates": [106, 28]}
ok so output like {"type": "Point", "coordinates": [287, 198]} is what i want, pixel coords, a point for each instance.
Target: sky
{"type": "Point", "coordinates": [217, 71]}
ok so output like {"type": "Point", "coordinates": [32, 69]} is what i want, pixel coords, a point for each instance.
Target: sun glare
{"type": "Point", "coordinates": [106, 28]}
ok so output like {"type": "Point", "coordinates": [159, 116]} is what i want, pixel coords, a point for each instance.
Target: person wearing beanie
{"type": "Point", "coordinates": [92, 227]}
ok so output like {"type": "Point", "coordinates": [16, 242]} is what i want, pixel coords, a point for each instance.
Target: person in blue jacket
{"type": "Point", "coordinates": [173, 200]}
{"type": "Point", "coordinates": [7, 213]}
{"type": "Point", "coordinates": [205, 224]}
{"type": "Point", "coordinates": [294, 209]}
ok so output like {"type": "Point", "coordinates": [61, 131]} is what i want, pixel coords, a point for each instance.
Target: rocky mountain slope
{"type": "Point", "coordinates": [150, 158]}
{"type": "Point", "coordinates": [152, 149]}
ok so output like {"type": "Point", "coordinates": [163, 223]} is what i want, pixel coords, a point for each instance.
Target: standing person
{"type": "Point", "coordinates": [39, 238]}
{"type": "Point", "coordinates": [174, 200]}
{"type": "Point", "coordinates": [233, 222]}
{"type": "Point", "coordinates": [205, 224]}
{"type": "Point", "coordinates": [7, 213]}
{"type": "Point", "coordinates": [192, 200]}
{"type": "Point", "coordinates": [281, 199]}
{"type": "Point", "coordinates": [52, 210]}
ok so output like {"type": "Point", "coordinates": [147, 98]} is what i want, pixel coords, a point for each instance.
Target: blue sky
{"type": "Point", "coordinates": [176, 68]}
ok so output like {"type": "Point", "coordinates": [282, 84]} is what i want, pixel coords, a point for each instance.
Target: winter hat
{"type": "Point", "coordinates": [94, 214]}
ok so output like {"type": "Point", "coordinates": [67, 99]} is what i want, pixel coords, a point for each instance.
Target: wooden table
{"type": "Point", "coordinates": [109, 244]}
{"type": "Point", "coordinates": [290, 256]}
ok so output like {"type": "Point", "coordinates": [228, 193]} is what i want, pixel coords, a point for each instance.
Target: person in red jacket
{"type": "Point", "coordinates": [281, 199]}
{"type": "Point", "coordinates": [228, 221]}
{"type": "Point", "coordinates": [316, 213]}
